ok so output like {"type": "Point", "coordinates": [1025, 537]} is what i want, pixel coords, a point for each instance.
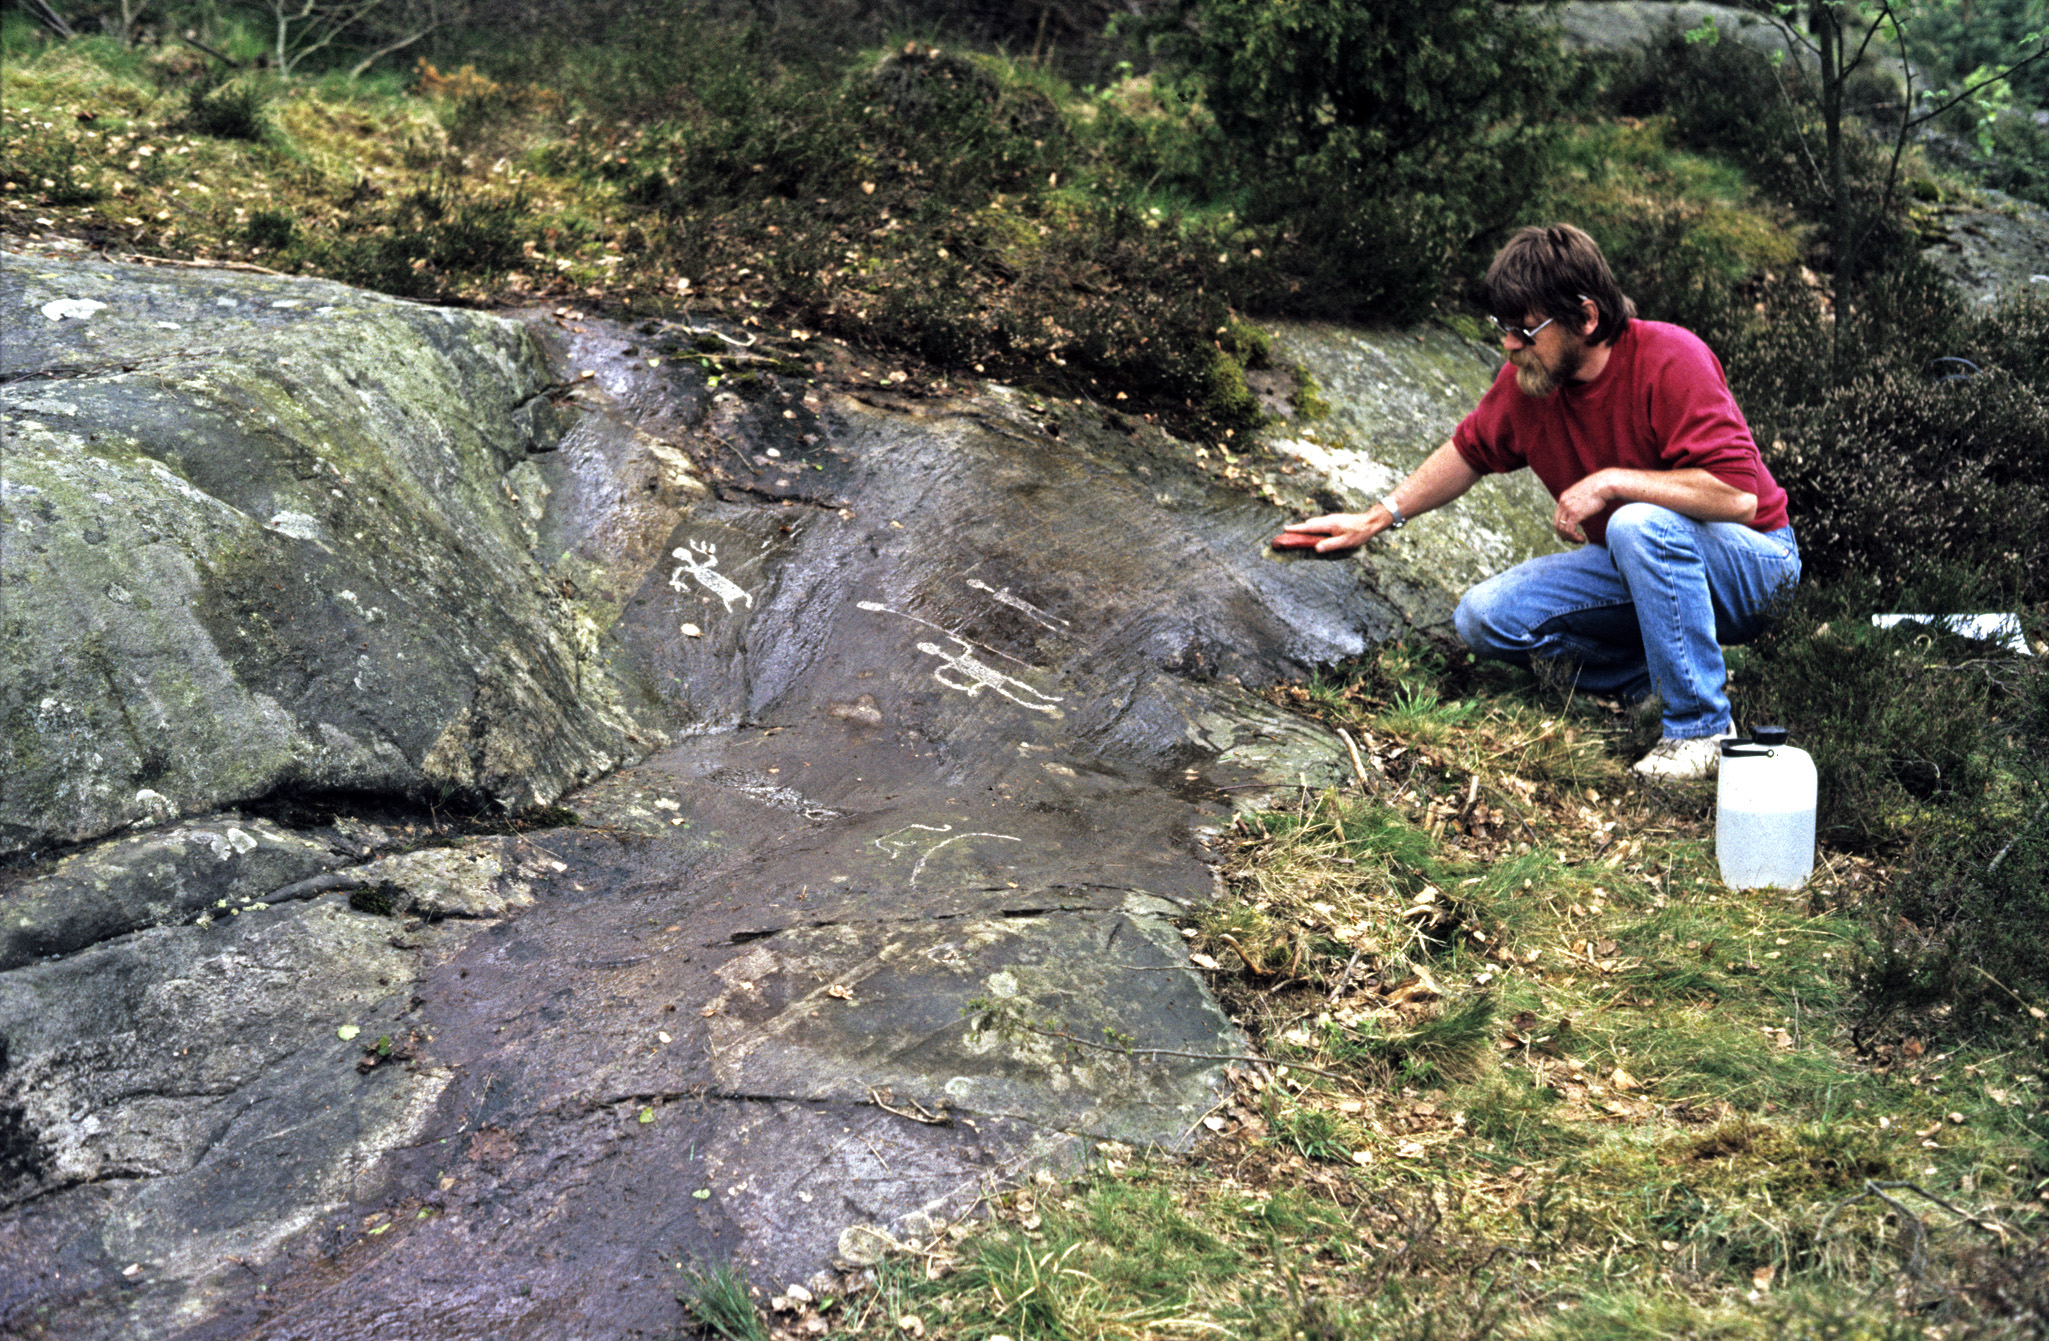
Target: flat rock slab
{"type": "Point", "coordinates": [953, 693]}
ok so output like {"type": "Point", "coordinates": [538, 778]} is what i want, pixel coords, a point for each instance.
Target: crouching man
{"type": "Point", "coordinates": [1682, 534]}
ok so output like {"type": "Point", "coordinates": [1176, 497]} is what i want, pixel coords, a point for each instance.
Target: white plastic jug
{"type": "Point", "coordinates": [1764, 812]}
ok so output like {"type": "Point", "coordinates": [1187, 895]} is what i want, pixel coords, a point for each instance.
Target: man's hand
{"type": "Point", "coordinates": [1576, 504]}
{"type": "Point", "coordinates": [1690, 492]}
{"type": "Point", "coordinates": [1341, 530]}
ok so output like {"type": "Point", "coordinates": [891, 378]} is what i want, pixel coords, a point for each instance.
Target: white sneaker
{"type": "Point", "coordinates": [1684, 760]}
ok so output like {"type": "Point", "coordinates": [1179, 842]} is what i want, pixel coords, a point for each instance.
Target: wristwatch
{"type": "Point", "coordinates": [1399, 520]}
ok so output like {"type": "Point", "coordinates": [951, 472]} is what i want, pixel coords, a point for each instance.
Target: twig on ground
{"type": "Point", "coordinates": [138, 258]}
{"type": "Point", "coordinates": [1344, 978]}
{"type": "Point", "coordinates": [930, 1119]}
{"type": "Point", "coordinates": [2016, 837]}
{"type": "Point", "coordinates": [1917, 1260]}
{"type": "Point", "coordinates": [1358, 766]}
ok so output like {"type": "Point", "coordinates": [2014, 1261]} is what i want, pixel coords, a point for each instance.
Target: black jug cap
{"type": "Point", "coordinates": [1768, 735]}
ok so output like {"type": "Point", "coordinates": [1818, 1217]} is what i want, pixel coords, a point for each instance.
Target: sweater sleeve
{"type": "Point", "coordinates": [1485, 437]}
{"type": "Point", "coordinates": [1695, 420]}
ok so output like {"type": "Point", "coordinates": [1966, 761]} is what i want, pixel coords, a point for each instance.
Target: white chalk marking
{"type": "Point", "coordinates": [917, 870]}
{"type": "Point", "coordinates": [1004, 597]}
{"type": "Point", "coordinates": [897, 849]}
{"type": "Point", "coordinates": [77, 309]}
{"type": "Point", "coordinates": [705, 570]}
{"type": "Point", "coordinates": [979, 676]}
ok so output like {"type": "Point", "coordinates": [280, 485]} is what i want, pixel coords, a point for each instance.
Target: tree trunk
{"type": "Point", "coordinates": [1825, 20]}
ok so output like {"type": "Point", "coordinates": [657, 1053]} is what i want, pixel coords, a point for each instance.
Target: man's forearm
{"type": "Point", "coordinates": [1443, 476]}
{"type": "Point", "coordinates": [1690, 493]}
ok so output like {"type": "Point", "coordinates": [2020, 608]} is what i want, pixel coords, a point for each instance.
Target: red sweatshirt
{"type": "Point", "coordinates": [1662, 403]}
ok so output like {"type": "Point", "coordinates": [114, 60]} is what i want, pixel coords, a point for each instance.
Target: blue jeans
{"type": "Point", "coordinates": [1645, 613]}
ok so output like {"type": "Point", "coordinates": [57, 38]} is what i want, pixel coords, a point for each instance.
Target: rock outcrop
{"type": "Point", "coordinates": [271, 536]}
{"type": "Point", "coordinates": [894, 733]}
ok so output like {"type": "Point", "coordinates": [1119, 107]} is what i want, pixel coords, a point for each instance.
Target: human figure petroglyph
{"type": "Point", "coordinates": [705, 570]}
{"type": "Point", "coordinates": [896, 846]}
{"type": "Point", "coordinates": [1003, 597]}
{"type": "Point", "coordinates": [979, 676]}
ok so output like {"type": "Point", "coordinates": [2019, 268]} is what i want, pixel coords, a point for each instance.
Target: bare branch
{"type": "Point", "coordinates": [1989, 80]}
{"type": "Point", "coordinates": [49, 18]}
{"type": "Point", "coordinates": [363, 65]}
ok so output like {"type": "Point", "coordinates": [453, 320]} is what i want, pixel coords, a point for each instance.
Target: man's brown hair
{"type": "Point", "coordinates": [1548, 270]}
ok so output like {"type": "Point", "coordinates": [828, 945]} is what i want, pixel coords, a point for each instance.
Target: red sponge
{"type": "Point", "coordinates": [1298, 540]}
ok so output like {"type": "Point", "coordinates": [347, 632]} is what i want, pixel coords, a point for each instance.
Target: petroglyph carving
{"type": "Point", "coordinates": [972, 676]}
{"type": "Point", "coordinates": [964, 671]}
{"type": "Point", "coordinates": [1004, 597]}
{"type": "Point", "coordinates": [701, 562]}
{"type": "Point", "coordinates": [896, 845]}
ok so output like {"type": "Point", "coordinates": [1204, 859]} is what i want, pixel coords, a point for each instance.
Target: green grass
{"type": "Point", "coordinates": [717, 1301]}
{"type": "Point", "coordinates": [1607, 1097]}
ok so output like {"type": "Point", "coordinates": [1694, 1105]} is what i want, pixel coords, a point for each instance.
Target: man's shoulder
{"type": "Point", "coordinates": [1662, 339]}
{"type": "Point", "coordinates": [1658, 348]}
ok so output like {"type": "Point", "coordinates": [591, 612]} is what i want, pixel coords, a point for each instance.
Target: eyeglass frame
{"type": "Point", "coordinates": [1526, 334]}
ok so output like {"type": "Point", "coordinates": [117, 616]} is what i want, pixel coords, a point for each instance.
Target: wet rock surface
{"type": "Point", "coordinates": [941, 699]}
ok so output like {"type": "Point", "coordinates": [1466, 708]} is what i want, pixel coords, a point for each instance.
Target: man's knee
{"type": "Point", "coordinates": [1487, 619]}
{"type": "Point", "coordinates": [1638, 526]}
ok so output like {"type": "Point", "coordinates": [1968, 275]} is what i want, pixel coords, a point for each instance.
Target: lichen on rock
{"type": "Point", "coordinates": [266, 535]}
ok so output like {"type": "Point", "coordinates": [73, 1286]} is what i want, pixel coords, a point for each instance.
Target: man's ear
{"type": "Point", "coordinates": [1592, 313]}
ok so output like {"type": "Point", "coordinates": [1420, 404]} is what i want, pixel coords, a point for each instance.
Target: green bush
{"type": "Point", "coordinates": [272, 230]}
{"type": "Point", "coordinates": [1324, 81]}
{"type": "Point", "coordinates": [1900, 477]}
{"type": "Point", "coordinates": [49, 163]}
{"type": "Point", "coordinates": [427, 242]}
{"type": "Point", "coordinates": [229, 109]}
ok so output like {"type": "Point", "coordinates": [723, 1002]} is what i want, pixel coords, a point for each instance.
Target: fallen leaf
{"type": "Point", "coordinates": [1622, 1080]}
{"type": "Point", "coordinates": [647, 1115]}
{"type": "Point", "coordinates": [842, 993]}
{"type": "Point", "coordinates": [347, 1032]}
{"type": "Point", "coordinates": [1762, 1277]}
{"type": "Point", "coordinates": [701, 1193]}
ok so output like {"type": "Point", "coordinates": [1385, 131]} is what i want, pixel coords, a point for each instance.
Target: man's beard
{"type": "Point", "coordinates": [1536, 380]}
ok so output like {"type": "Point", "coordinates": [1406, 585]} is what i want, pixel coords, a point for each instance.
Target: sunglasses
{"type": "Point", "coordinates": [1526, 334]}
